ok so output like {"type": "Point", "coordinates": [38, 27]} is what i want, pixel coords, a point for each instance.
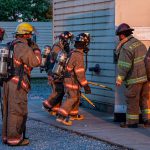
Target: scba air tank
{"type": "Point", "coordinates": [4, 54]}
{"type": "Point", "coordinates": [60, 63]}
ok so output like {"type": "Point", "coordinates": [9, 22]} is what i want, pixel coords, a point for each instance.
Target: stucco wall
{"type": "Point", "coordinates": [134, 12]}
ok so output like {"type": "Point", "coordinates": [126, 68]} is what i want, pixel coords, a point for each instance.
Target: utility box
{"type": "Point", "coordinates": [100, 18]}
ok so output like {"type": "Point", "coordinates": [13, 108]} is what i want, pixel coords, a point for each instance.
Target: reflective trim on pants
{"type": "Point", "coordinates": [132, 117]}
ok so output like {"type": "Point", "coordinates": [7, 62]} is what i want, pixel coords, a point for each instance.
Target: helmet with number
{"type": "Point", "coordinates": [2, 32]}
{"type": "Point", "coordinates": [83, 38]}
{"type": "Point", "coordinates": [123, 28]}
{"type": "Point", "coordinates": [24, 28]}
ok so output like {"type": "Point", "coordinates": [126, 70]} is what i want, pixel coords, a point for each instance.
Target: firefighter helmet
{"type": "Point", "coordinates": [2, 32]}
{"type": "Point", "coordinates": [24, 28]}
{"type": "Point", "coordinates": [123, 28]}
{"type": "Point", "coordinates": [84, 38]}
{"type": "Point", "coordinates": [66, 36]}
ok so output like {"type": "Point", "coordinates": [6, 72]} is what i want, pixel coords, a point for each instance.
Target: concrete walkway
{"type": "Point", "coordinates": [98, 125]}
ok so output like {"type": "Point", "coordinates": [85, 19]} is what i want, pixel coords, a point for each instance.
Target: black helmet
{"type": "Point", "coordinates": [66, 35]}
{"type": "Point", "coordinates": [84, 38]}
{"type": "Point", "coordinates": [122, 28]}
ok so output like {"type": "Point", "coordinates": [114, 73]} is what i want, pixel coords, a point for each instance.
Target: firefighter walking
{"type": "Point", "coordinates": [54, 101]}
{"type": "Point", "coordinates": [74, 80]}
{"type": "Point", "coordinates": [26, 55]}
{"type": "Point", "coordinates": [131, 70]}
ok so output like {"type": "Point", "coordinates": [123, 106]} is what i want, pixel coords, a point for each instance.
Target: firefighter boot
{"type": "Point", "coordinates": [23, 142]}
{"type": "Point", "coordinates": [77, 117]}
{"type": "Point", "coordinates": [46, 106]}
{"type": "Point", "coordinates": [64, 120]}
{"type": "Point", "coordinates": [124, 125]}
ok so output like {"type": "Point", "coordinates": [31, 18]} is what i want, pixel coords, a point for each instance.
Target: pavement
{"type": "Point", "coordinates": [97, 125]}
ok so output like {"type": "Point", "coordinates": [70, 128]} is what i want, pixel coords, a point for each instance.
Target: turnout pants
{"type": "Point", "coordinates": [55, 99]}
{"type": "Point", "coordinates": [71, 104]}
{"type": "Point", "coordinates": [14, 113]}
{"type": "Point", "coordinates": [138, 98]}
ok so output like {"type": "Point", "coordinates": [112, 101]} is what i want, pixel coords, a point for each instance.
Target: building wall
{"type": "Point", "coordinates": [136, 14]}
{"type": "Point", "coordinates": [44, 37]}
{"type": "Point", "coordinates": [98, 18]}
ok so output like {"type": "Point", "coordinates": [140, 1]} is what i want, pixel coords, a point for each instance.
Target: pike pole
{"type": "Point", "coordinates": [88, 100]}
{"type": "Point", "coordinates": [100, 85]}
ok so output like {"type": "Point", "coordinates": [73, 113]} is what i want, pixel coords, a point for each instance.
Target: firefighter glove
{"type": "Point", "coordinates": [87, 89]}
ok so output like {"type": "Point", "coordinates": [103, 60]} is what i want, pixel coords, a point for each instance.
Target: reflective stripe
{"type": "Point", "coordinates": [84, 82]}
{"type": "Point", "coordinates": [47, 103]}
{"type": "Point", "coordinates": [23, 84]}
{"type": "Point", "coordinates": [63, 111]}
{"type": "Point", "coordinates": [75, 87]}
{"type": "Point", "coordinates": [120, 77]}
{"type": "Point", "coordinates": [132, 117]}
{"type": "Point", "coordinates": [139, 59]}
{"type": "Point", "coordinates": [135, 45]}
{"type": "Point", "coordinates": [17, 62]}
{"type": "Point", "coordinates": [55, 108]}
{"type": "Point", "coordinates": [27, 69]}
{"type": "Point", "coordinates": [124, 64]}
{"type": "Point", "coordinates": [146, 111]}
{"type": "Point", "coordinates": [80, 70]}
{"type": "Point", "coordinates": [14, 141]}
{"type": "Point", "coordinates": [137, 80]}
{"type": "Point", "coordinates": [68, 68]}
{"type": "Point", "coordinates": [39, 60]}
{"type": "Point", "coordinates": [74, 112]}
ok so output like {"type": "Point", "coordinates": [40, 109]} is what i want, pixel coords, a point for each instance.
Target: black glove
{"type": "Point", "coordinates": [87, 89]}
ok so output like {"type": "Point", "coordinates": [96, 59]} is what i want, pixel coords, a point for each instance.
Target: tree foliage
{"type": "Point", "coordinates": [28, 10]}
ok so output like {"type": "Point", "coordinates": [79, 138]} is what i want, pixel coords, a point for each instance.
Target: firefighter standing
{"type": "Point", "coordinates": [54, 101]}
{"type": "Point", "coordinates": [75, 79]}
{"type": "Point", "coordinates": [26, 56]}
{"type": "Point", "coordinates": [131, 70]}
{"type": "Point", "coordinates": [46, 65]}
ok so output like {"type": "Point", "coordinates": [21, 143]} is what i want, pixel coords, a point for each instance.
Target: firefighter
{"type": "Point", "coordinates": [53, 102]}
{"type": "Point", "coordinates": [146, 91]}
{"type": "Point", "coordinates": [26, 55]}
{"type": "Point", "coordinates": [131, 70]}
{"type": "Point", "coordinates": [74, 81]}
{"type": "Point", "coordinates": [46, 65]}
{"type": "Point", "coordinates": [2, 32]}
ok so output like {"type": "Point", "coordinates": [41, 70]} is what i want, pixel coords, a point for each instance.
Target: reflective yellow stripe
{"type": "Point", "coordinates": [137, 80]}
{"type": "Point", "coordinates": [139, 59]}
{"type": "Point", "coordinates": [124, 64]}
{"type": "Point", "coordinates": [146, 111]}
{"type": "Point", "coordinates": [132, 117]}
{"type": "Point", "coordinates": [135, 45]}
{"type": "Point", "coordinates": [120, 77]}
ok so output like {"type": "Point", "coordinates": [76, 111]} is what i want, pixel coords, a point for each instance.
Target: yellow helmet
{"type": "Point", "coordinates": [24, 28]}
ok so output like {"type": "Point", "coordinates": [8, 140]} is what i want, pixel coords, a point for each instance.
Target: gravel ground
{"type": "Point", "coordinates": [45, 137]}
